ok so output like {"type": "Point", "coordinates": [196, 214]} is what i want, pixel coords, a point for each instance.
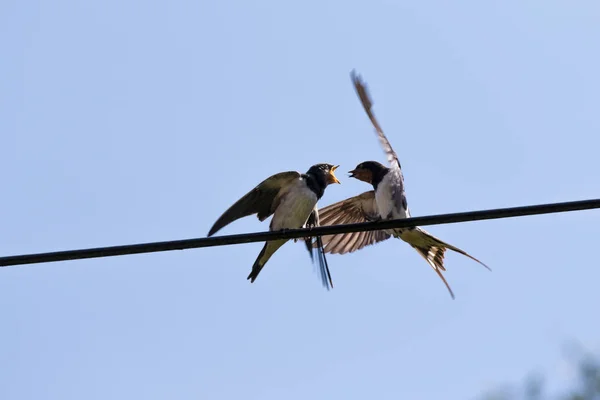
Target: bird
{"type": "Point", "coordinates": [291, 197]}
{"type": "Point", "coordinates": [386, 201]}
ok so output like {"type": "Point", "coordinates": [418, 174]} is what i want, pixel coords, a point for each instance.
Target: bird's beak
{"type": "Point", "coordinates": [332, 176]}
{"type": "Point", "coordinates": [352, 173]}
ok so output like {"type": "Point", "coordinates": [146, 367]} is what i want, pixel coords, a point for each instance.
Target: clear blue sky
{"type": "Point", "coordinates": [134, 121]}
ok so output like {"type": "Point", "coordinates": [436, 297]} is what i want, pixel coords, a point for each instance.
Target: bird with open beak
{"type": "Point", "coordinates": [386, 201]}
{"type": "Point", "coordinates": [291, 197]}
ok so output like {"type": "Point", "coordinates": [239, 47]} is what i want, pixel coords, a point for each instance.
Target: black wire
{"type": "Point", "coordinates": [298, 233]}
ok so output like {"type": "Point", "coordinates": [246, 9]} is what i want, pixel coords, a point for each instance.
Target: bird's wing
{"type": "Point", "coordinates": [361, 208]}
{"type": "Point", "coordinates": [317, 247]}
{"type": "Point", "coordinates": [365, 98]}
{"type": "Point", "coordinates": [262, 200]}
{"type": "Point", "coordinates": [398, 184]}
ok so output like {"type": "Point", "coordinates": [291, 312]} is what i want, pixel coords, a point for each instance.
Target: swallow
{"type": "Point", "coordinates": [291, 197]}
{"type": "Point", "coordinates": [386, 201]}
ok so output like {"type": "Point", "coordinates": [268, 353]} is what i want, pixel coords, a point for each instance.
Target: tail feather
{"type": "Point", "coordinates": [321, 260]}
{"type": "Point", "coordinates": [433, 250]}
{"type": "Point", "coordinates": [435, 258]}
{"type": "Point", "coordinates": [464, 253]}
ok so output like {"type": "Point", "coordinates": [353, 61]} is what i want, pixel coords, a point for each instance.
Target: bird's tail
{"type": "Point", "coordinates": [432, 250]}
{"type": "Point", "coordinates": [265, 254]}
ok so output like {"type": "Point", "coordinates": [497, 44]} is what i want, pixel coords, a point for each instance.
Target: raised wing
{"type": "Point", "coordinates": [361, 208]}
{"type": "Point", "coordinates": [363, 94]}
{"type": "Point", "coordinates": [317, 247]}
{"type": "Point", "coordinates": [262, 200]}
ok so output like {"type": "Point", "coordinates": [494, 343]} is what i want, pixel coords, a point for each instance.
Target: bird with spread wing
{"type": "Point", "coordinates": [386, 201]}
{"type": "Point", "coordinates": [291, 197]}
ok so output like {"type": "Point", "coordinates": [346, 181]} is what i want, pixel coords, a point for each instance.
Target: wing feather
{"type": "Point", "coordinates": [361, 208]}
{"type": "Point", "coordinates": [262, 200]}
{"type": "Point", "coordinates": [365, 99]}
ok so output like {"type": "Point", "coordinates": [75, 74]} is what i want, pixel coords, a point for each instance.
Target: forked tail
{"type": "Point", "coordinates": [433, 250]}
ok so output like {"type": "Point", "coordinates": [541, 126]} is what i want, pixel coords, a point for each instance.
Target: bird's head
{"type": "Point", "coordinates": [365, 171]}
{"type": "Point", "coordinates": [326, 171]}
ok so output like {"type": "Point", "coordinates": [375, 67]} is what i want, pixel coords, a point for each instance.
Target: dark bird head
{"type": "Point", "coordinates": [324, 172]}
{"type": "Point", "coordinates": [369, 171]}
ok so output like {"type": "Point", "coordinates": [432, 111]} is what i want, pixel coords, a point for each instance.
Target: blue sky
{"type": "Point", "coordinates": [128, 121]}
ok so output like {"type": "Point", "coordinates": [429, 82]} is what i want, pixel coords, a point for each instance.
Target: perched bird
{"type": "Point", "coordinates": [291, 197]}
{"type": "Point", "coordinates": [386, 201]}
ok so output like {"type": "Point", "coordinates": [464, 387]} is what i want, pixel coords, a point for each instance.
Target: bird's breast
{"type": "Point", "coordinates": [294, 208]}
{"type": "Point", "coordinates": [389, 198]}
{"type": "Point", "coordinates": [384, 197]}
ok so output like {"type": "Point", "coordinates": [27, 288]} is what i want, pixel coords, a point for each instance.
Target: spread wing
{"type": "Point", "coordinates": [317, 247]}
{"type": "Point", "coordinates": [361, 208]}
{"type": "Point", "coordinates": [363, 94]}
{"type": "Point", "coordinates": [262, 200]}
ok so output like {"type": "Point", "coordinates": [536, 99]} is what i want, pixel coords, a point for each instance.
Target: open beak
{"type": "Point", "coordinates": [352, 173]}
{"type": "Point", "coordinates": [332, 176]}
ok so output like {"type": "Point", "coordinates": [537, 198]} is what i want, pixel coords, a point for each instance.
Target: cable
{"type": "Point", "coordinates": [298, 233]}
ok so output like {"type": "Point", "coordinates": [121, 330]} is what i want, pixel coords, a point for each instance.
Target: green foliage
{"type": "Point", "coordinates": [586, 387]}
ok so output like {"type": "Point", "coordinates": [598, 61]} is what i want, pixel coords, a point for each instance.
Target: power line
{"type": "Point", "coordinates": [299, 233]}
